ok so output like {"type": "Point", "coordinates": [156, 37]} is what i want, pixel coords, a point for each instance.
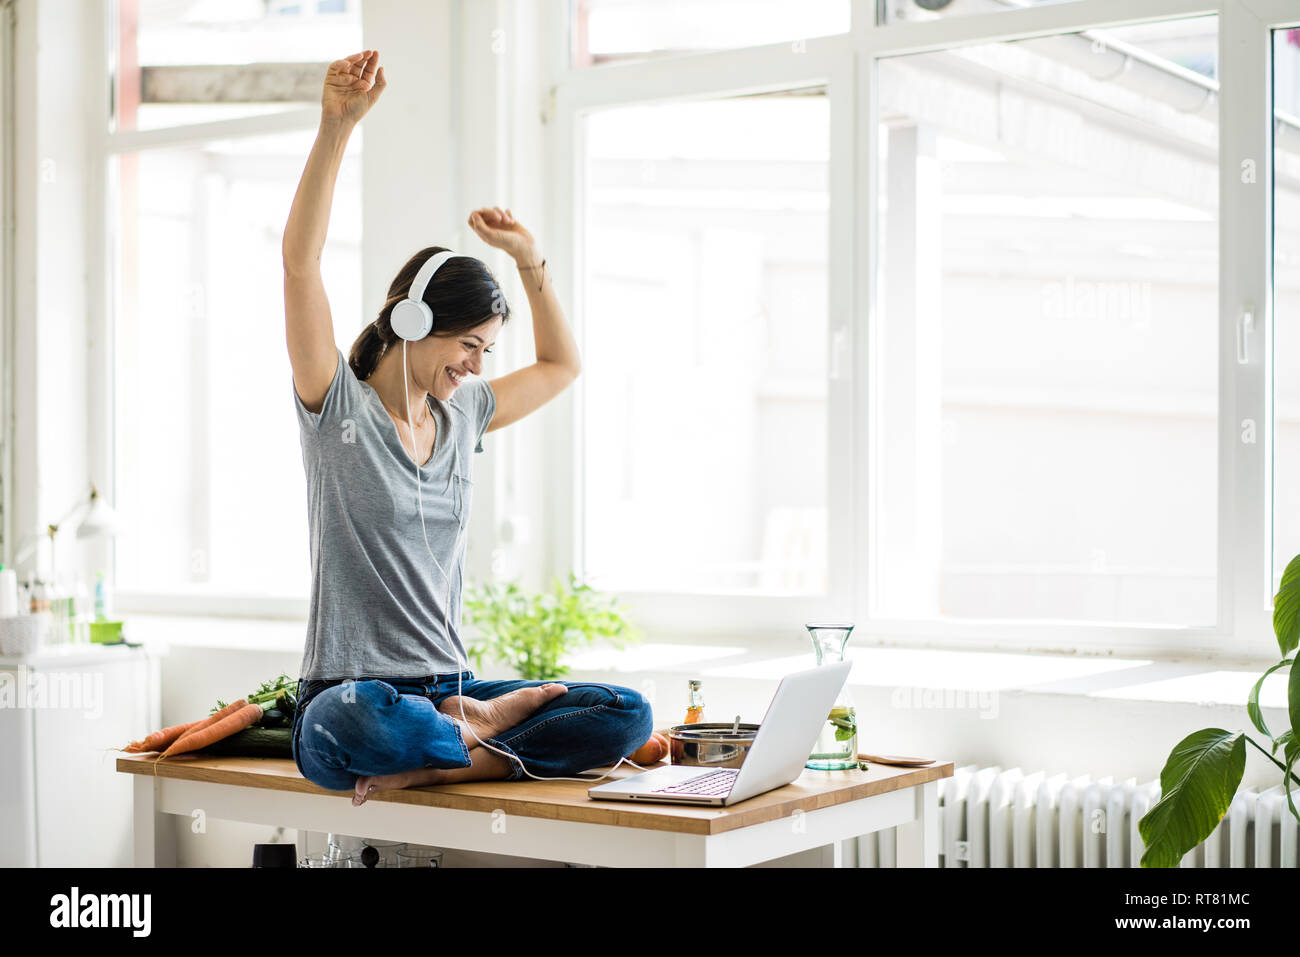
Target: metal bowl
{"type": "Point", "coordinates": [710, 745]}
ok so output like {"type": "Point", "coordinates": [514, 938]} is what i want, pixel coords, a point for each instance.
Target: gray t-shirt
{"type": "Point", "coordinates": [376, 595]}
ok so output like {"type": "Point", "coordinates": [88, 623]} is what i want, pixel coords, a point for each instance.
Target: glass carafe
{"type": "Point", "coordinates": [836, 748]}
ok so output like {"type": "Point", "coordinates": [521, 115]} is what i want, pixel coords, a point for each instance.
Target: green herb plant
{"type": "Point", "coordinates": [278, 699]}
{"type": "Point", "coordinates": [532, 631]}
{"type": "Point", "coordinates": [1204, 769]}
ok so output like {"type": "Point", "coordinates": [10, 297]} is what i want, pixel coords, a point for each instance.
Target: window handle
{"type": "Point", "coordinates": [1245, 325]}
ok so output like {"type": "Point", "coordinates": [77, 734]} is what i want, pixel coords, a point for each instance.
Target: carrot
{"type": "Point", "coordinates": [245, 717]}
{"type": "Point", "coordinates": [159, 739]}
{"type": "Point", "coordinates": [214, 718]}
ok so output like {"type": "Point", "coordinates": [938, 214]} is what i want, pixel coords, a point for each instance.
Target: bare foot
{"type": "Point", "coordinates": [387, 782]}
{"type": "Point", "coordinates": [484, 766]}
{"type": "Point", "coordinates": [487, 719]}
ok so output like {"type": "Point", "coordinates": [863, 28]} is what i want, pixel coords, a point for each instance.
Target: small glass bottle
{"type": "Point", "coordinates": [79, 615]}
{"type": "Point", "coordinates": [40, 597]}
{"type": "Point", "coordinates": [695, 703]}
{"type": "Point", "coordinates": [101, 606]}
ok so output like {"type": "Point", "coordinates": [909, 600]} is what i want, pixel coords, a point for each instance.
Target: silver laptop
{"type": "Point", "coordinates": [784, 740]}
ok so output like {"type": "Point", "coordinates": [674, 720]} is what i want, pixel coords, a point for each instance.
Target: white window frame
{"type": "Point", "coordinates": [825, 62]}
{"type": "Point", "coordinates": [846, 64]}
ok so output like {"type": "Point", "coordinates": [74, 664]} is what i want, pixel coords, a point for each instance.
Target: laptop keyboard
{"type": "Point", "coordinates": [708, 785]}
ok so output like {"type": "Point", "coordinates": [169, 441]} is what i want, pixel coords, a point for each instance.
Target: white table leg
{"type": "Point", "coordinates": [918, 840]}
{"type": "Point", "coordinates": [690, 851]}
{"type": "Point", "coordinates": [832, 855]}
{"type": "Point", "coordinates": [144, 820]}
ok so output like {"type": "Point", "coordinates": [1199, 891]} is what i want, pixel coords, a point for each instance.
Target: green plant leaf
{"type": "Point", "coordinates": [1196, 786]}
{"type": "Point", "coordinates": [1283, 738]}
{"type": "Point", "coordinates": [1252, 703]}
{"type": "Point", "coordinates": [1293, 700]}
{"type": "Point", "coordinates": [1286, 610]}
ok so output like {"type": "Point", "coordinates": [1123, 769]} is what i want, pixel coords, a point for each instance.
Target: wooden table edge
{"type": "Point", "coordinates": [681, 819]}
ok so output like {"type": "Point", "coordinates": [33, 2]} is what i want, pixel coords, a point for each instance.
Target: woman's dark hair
{"type": "Point", "coordinates": [463, 294]}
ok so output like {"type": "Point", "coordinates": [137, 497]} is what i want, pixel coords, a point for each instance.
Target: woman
{"type": "Point", "coordinates": [383, 702]}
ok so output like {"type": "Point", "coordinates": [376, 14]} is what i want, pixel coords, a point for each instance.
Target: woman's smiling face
{"type": "Point", "coordinates": [439, 363]}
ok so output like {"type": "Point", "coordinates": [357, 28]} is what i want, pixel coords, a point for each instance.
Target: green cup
{"type": "Point", "coordinates": [105, 632]}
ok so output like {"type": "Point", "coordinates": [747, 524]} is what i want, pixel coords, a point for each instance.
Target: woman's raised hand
{"type": "Point", "coordinates": [498, 227]}
{"type": "Point", "coordinates": [352, 86]}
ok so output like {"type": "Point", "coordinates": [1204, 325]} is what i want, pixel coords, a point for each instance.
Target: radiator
{"type": "Point", "coordinates": [990, 817]}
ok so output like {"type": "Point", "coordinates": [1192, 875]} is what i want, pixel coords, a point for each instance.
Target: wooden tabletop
{"type": "Point", "coordinates": [561, 800]}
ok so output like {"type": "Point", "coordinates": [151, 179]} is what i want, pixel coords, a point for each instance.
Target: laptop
{"type": "Point", "coordinates": [785, 738]}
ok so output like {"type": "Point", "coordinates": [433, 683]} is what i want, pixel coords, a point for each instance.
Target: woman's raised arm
{"type": "Point", "coordinates": [352, 85]}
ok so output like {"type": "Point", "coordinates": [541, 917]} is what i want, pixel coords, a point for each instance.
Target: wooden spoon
{"type": "Point", "coordinates": [896, 761]}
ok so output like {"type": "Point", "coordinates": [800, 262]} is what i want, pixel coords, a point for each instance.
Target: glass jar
{"type": "Point", "coordinates": [836, 748]}
{"type": "Point", "coordinates": [694, 703]}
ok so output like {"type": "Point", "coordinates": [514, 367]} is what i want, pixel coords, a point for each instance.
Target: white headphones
{"type": "Point", "coordinates": [412, 318]}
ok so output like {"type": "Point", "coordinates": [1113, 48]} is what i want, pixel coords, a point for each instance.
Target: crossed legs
{"type": "Point", "coordinates": [366, 737]}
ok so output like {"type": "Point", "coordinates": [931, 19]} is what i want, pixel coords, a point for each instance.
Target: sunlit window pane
{"type": "Point", "coordinates": [209, 466]}
{"type": "Point", "coordinates": [1046, 377]}
{"type": "Point", "coordinates": [704, 354]}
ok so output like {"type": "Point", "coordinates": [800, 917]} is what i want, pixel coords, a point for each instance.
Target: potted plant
{"type": "Point", "coordinates": [1204, 769]}
{"type": "Point", "coordinates": [532, 631]}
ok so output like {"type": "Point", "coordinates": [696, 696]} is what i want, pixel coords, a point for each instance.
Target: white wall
{"type": "Point", "coordinates": [409, 164]}
{"type": "Point", "coordinates": [50, 261]}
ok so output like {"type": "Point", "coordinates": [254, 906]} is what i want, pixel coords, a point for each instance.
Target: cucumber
{"type": "Point", "coordinates": [254, 743]}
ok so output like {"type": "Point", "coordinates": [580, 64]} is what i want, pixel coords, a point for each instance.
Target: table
{"type": "Point", "coordinates": [556, 820]}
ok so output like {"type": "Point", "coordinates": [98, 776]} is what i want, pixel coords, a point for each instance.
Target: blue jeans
{"type": "Point", "coordinates": [348, 729]}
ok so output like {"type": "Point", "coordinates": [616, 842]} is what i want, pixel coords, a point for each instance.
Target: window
{"type": "Point", "coordinates": [1047, 369]}
{"type": "Point", "coordinates": [705, 345]}
{"type": "Point", "coordinates": [1039, 441]}
{"type": "Point", "coordinates": [206, 452]}
{"type": "Point", "coordinates": [950, 286]}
